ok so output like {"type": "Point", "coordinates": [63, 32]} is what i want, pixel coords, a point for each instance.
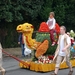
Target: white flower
{"type": "Point", "coordinates": [71, 31]}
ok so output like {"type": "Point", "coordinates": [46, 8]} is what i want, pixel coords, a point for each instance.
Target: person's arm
{"type": "Point", "coordinates": [57, 45]}
{"type": "Point", "coordinates": [57, 49]}
{"type": "Point", "coordinates": [54, 22]}
{"type": "Point", "coordinates": [0, 51]}
{"type": "Point", "coordinates": [68, 43]}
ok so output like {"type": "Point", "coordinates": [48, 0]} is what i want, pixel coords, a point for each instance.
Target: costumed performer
{"type": "Point", "coordinates": [63, 51]}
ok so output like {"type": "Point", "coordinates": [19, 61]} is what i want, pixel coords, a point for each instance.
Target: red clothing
{"type": "Point", "coordinates": [52, 31]}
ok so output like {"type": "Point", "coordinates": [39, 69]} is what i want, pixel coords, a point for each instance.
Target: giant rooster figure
{"type": "Point", "coordinates": [27, 30]}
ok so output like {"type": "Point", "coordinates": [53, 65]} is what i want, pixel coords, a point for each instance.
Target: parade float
{"type": "Point", "coordinates": [41, 45]}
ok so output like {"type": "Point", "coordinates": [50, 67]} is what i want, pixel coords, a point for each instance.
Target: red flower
{"type": "Point", "coordinates": [57, 28]}
{"type": "Point", "coordinates": [43, 27]}
{"type": "Point", "coordinates": [51, 57]}
{"type": "Point", "coordinates": [72, 41]}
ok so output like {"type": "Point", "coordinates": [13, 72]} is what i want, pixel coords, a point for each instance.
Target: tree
{"type": "Point", "coordinates": [46, 8]}
{"type": "Point", "coordinates": [14, 12]}
{"type": "Point", "coordinates": [17, 10]}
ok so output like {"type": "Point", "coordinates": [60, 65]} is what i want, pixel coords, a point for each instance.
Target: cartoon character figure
{"type": "Point", "coordinates": [27, 30]}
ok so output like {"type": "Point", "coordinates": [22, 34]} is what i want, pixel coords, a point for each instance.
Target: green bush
{"type": "Point", "coordinates": [41, 36]}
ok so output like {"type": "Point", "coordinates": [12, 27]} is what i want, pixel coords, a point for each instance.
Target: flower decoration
{"type": "Point", "coordinates": [73, 48]}
{"type": "Point", "coordinates": [43, 27]}
{"type": "Point", "coordinates": [45, 59]}
{"type": "Point", "coordinates": [57, 28]}
{"type": "Point", "coordinates": [72, 33]}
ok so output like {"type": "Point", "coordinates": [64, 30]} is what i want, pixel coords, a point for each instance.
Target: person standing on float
{"type": "Point", "coordinates": [21, 42]}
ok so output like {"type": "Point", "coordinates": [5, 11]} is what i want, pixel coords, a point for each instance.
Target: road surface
{"type": "Point", "coordinates": [28, 72]}
{"type": "Point", "coordinates": [12, 68]}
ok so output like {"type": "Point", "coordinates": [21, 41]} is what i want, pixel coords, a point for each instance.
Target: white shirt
{"type": "Point", "coordinates": [61, 45]}
{"type": "Point", "coordinates": [51, 23]}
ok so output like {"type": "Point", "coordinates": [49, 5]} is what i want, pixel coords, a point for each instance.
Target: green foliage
{"type": "Point", "coordinates": [64, 12]}
{"type": "Point", "coordinates": [37, 10]}
{"type": "Point", "coordinates": [60, 13]}
{"type": "Point", "coordinates": [72, 33]}
{"type": "Point", "coordinates": [11, 39]}
{"type": "Point", "coordinates": [14, 12]}
{"type": "Point", "coordinates": [46, 8]}
{"type": "Point", "coordinates": [41, 36]}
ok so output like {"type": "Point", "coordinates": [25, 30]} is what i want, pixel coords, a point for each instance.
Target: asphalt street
{"type": "Point", "coordinates": [10, 64]}
{"type": "Point", "coordinates": [28, 72]}
{"type": "Point", "coordinates": [12, 68]}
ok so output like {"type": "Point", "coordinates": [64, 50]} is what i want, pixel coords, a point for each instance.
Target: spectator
{"type": "Point", "coordinates": [21, 42]}
{"type": "Point", "coordinates": [1, 68]}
